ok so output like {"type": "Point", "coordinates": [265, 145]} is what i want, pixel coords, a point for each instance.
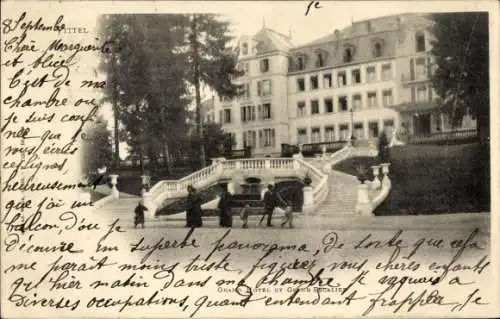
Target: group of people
{"type": "Point", "coordinates": [194, 212]}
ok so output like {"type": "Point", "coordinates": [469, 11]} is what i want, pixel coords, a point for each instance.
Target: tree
{"type": "Point", "coordinates": [461, 79]}
{"type": "Point", "coordinates": [97, 147]}
{"type": "Point", "coordinates": [211, 60]}
{"type": "Point", "coordinates": [147, 79]}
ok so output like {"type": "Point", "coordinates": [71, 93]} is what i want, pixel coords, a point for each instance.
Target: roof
{"type": "Point", "coordinates": [359, 28]}
{"type": "Point", "coordinates": [273, 40]}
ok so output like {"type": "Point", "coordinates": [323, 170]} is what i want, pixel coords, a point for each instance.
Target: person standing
{"type": "Point", "coordinates": [193, 211]}
{"type": "Point", "coordinates": [383, 148]}
{"type": "Point", "coordinates": [270, 202]}
{"type": "Point", "coordinates": [225, 217]}
{"type": "Point", "coordinates": [139, 214]}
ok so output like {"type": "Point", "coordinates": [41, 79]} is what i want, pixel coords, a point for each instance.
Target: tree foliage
{"type": "Point", "coordinates": [97, 146]}
{"type": "Point", "coordinates": [162, 58]}
{"type": "Point", "coordinates": [461, 79]}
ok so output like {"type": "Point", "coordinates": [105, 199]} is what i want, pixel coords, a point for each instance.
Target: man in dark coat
{"type": "Point", "coordinates": [383, 148]}
{"type": "Point", "coordinates": [270, 203]}
{"type": "Point", "coordinates": [139, 214]}
{"type": "Point", "coordinates": [193, 211]}
{"type": "Point", "coordinates": [225, 217]}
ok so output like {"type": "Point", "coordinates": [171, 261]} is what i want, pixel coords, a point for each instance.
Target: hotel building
{"type": "Point", "coordinates": [368, 77]}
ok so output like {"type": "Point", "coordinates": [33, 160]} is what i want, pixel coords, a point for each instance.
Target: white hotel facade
{"type": "Point", "coordinates": [368, 77]}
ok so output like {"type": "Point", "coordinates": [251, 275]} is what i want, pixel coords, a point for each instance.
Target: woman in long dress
{"type": "Point", "coordinates": [225, 217]}
{"type": "Point", "coordinates": [193, 211]}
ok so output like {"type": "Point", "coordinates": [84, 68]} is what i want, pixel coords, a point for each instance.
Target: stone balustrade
{"type": "Point", "coordinates": [222, 169]}
{"type": "Point", "coordinates": [367, 204]}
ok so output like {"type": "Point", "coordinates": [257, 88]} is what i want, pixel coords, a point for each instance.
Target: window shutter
{"type": "Point", "coordinates": [259, 110]}
{"type": "Point", "coordinates": [242, 113]}
{"type": "Point", "coordinates": [261, 138]}
{"type": "Point", "coordinates": [429, 88]}
{"type": "Point", "coordinates": [270, 87]}
{"type": "Point", "coordinates": [221, 118]}
{"type": "Point", "coordinates": [273, 138]}
{"type": "Point", "coordinates": [413, 94]}
{"type": "Point", "coordinates": [259, 88]}
{"type": "Point", "coordinates": [412, 70]}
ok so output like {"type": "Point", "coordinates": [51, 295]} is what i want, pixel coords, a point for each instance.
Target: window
{"type": "Point", "coordinates": [301, 63]}
{"type": "Point", "coordinates": [371, 76]}
{"type": "Point", "coordinates": [356, 102]}
{"type": "Point", "coordinates": [420, 69]}
{"type": "Point", "coordinates": [342, 79]}
{"type": "Point", "coordinates": [344, 132]}
{"type": "Point", "coordinates": [314, 82]}
{"type": "Point", "coordinates": [301, 85]}
{"type": "Point", "coordinates": [314, 107]}
{"type": "Point", "coordinates": [328, 105]}
{"type": "Point", "coordinates": [386, 72]}
{"type": "Point", "coordinates": [420, 42]}
{"type": "Point", "coordinates": [227, 116]}
{"type": "Point", "coordinates": [264, 88]}
{"type": "Point", "coordinates": [387, 97]}
{"type": "Point", "coordinates": [329, 133]}
{"type": "Point", "coordinates": [356, 77]}
{"type": "Point", "coordinates": [264, 65]}
{"type": "Point", "coordinates": [247, 113]}
{"type": "Point", "coordinates": [301, 109]}
{"type": "Point", "coordinates": [377, 50]}
{"type": "Point", "coordinates": [266, 111]}
{"type": "Point", "coordinates": [302, 136]}
{"type": "Point", "coordinates": [359, 132]}
{"type": "Point", "coordinates": [250, 139]}
{"type": "Point", "coordinates": [244, 48]}
{"type": "Point", "coordinates": [348, 53]}
{"type": "Point", "coordinates": [315, 135]}
{"type": "Point", "coordinates": [327, 80]}
{"type": "Point", "coordinates": [243, 67]}
{"type": "Point", "coordinates": [269, 138]}
{"type": "Point", "coordinates": [244, 91]}
{"type": "Point", "coordinates": [320, 59]}
{"type": "Point", "coordinates": [343, 103]}
{"type": "Point", "coordinates": [373, 129]}
{"type": "Point", "coordinates": [372, 99]}
{"type": "Point", "coordinates": [422, 94]}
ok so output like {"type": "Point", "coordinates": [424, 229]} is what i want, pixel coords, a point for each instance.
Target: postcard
{"type": "Point", "coordinates": [242, 159]}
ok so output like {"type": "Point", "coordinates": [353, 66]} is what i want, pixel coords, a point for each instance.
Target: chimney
{"type": "Point", "coordinates": [290, 33]}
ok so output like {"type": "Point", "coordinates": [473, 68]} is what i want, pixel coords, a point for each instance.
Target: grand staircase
{"type": "Point", "coordinates": [340, 200]}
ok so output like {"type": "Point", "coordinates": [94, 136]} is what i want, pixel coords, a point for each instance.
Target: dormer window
{"type": "Point", "coordinates": [348, 54]}
{"type": "Point", "coordinates": [301, 64]}
{"type": "Point", "coordinates": [377, 50]}
{"type": "Point", "coordinates": [419, 42]}
{"type": "Point", "coordinates": [320, 59]}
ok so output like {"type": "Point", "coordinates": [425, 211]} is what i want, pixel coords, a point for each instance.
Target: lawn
{"type": "Point", "coordinates": [430, 179]}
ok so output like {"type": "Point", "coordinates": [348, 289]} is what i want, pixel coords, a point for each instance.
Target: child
{"type": "Point", "coordinates": [288, 216]}
{"type": "Point", "coordinates": [139, 214]}
{"type": "Point", "coordinates": [244, 215]}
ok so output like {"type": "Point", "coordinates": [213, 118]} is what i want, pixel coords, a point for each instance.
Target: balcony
{"type": "Point", "coordinates": [407, 78]}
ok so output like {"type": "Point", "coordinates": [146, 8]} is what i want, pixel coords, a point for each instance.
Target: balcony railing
{"type": "Point", "coordinates": [444, 137]}
{"type": "Point", "coordinates": [311, 149]}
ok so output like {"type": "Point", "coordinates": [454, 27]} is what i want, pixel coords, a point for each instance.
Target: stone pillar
{"type": "Point", "coordinates": [114, 190]}
{"type": "Point", "coordinates": [364, 205]}
{"type": "Point", "coordinates": [146, 180]}
{"type": "Point", "coordinates": [385, 170]}
{"type": "Point", "coordinates": [147, 200]}
{"type": "Point", "coordinates": [300, 151]}
{"type": "Point", "coordinates": [308, 207]}
{"type": "Point", "coordinates": [376, 181]}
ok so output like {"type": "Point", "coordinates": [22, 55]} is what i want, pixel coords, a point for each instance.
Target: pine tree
{"type": "Point", "coordinates": [211, 61]}
{"type": "Point", "coordinates": [461, 79]}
